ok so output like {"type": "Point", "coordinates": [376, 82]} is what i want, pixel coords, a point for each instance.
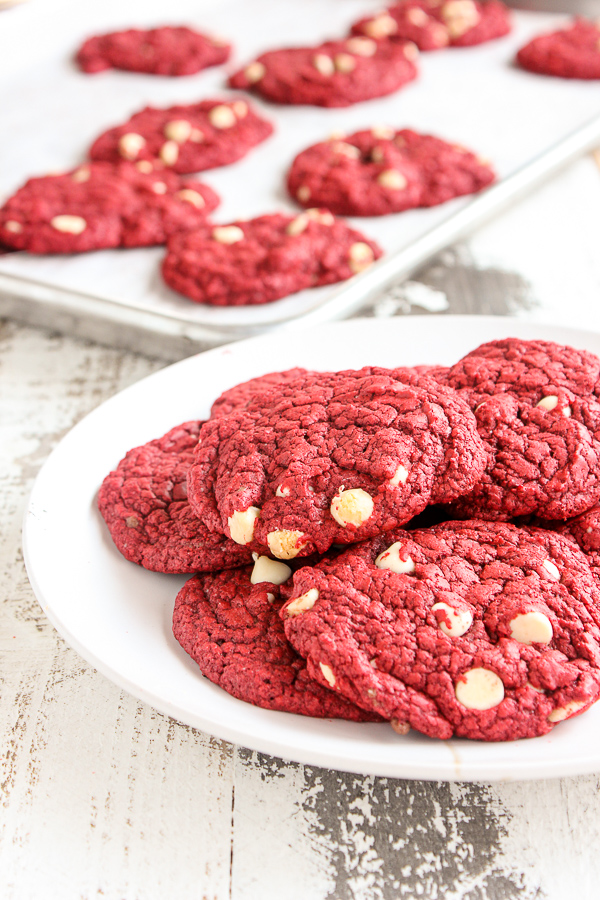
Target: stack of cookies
{"type": "Point", "coordinates": [410, 545]}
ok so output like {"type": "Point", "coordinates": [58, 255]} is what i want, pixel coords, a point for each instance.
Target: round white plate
{"type": "Point", "coordinates": [118, 616]}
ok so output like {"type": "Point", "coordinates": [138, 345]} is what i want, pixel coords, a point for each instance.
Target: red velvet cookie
{"type": "Point", "coordinates": [156, 51]}
{"type": "Point", "coordinates": [240, 395]}
{"type": "Point", "coordinates": [101, 205]}
{"type": "Point", "coordinates": [232, 629]}
{"type": "Point", "coordinates": [538, 413]}
{"type": "Point", "coordinates": [572, 52]}
{"type": "Point", "coordinates": [144, 504]}
{"type": "Point", "coordinates": [433, 24]}
{"type": "Point", "coordinates": [332, 458]}
{"type": "Point", "coordinates": [372, 173]}
{"type": "Point", "coordinates": [337, 73]}
{"type": "Point", "coordinates": [185, 138]}
{"type": "Point", "coordinates": [475, 629]}
{"type": "Point", "coordinates": [263, 259]}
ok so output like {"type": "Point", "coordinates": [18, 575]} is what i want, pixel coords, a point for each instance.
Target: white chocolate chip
{"type": "Point", "coordinates": [303, 193]}
{"type": "Point", "coordinates": [534, 688]}
{"type": "Point", "coordinates": [297, 225]}
{"type": "Point", "coordinates": [192, 197]}
{"type": "Point", "coordinates": [566, 411]}
{"type": "Point", "coordinates": [303, 603]}
{"type": "Point", "coordinates": [69, 224]}
{"type": "Point", "coordinates": [323, 64]}
{"type": "Point", "coordinates": [479, 689]}
{"type": "Point", "coordinates": [178, 130]}
{"type": "Point", "coordinates": [352, 507]}
{"type": "Point", "coordinates": [285, 544]}
{"type": "Point", "coordinates": [196, 136]}
{"type": "Point", "coordinates": [531, 628]}
{"type": "Point", "coordinates": [400, 476]}
{"type": "Point", "coordinates": [411, 51]}
{"type": "Point", "coordinates": [550, 402]}
{"type": "Point", "coordinates": [390, 559]}
{"type": "Point", "coordinates": [271, 598]}
{"type": "Point", "coordinates": [13, 227]}
{"type": "Point", "coordinates": [81, 175]}
{"type": "Point", "coordinates": [241, 524]}
{"type": "Point", "coordinates": [240, 109]}
{"type": "Point", "coordinates": [282, 491]}
{"type": "Point", "coordinates": [327, 674]}
{"type": "Point", "coordinates": [381, 27]}
{"type": "Point", "coordinates": [145, 166]}
{"type": "Point", "coordinates": [551, 569]}
{"type": "Point", "coordinates": [320, 215]}
{"type": "Point", "coordinates": [460, 16]}
{"type": "Point", "coordinates": [344, 62]}
{"type": "Point", "coordinates": [169, 153]}
{"type": "Point", "coordinates": [392, 179]}
{"type": "Point", "coordinates": [227, 234]}
{"type": "Point", "coordinates": [360, 257]}
{"type": "Point", "coordinates": [159, 187]}
{"type": "Point", "coordinates": [222, 117]}
{"type": "Point", "coordinates": [336, 136]}
{"type": "Point", "coordinates": [382, 133]}
{"type": "Point", "coordinates": [460, 620]}
{"type": "Point", "coordinates": [344, 149]}
{"type": "Point", "coordinates": [130, 145]}
{"type": "Point", "coordinates": [399, 726]}
{"type": "Point", "coordinates": [266, 569]}
{"type": "Point", "coordinates": [254, 72]}
{"type": "Point", "coordinates": [589, 530]}
{"type": "Point", "coordinates": [361, 46]}
{"type": "Point", "coordinates": [417, 16]}
{"type": "Point", "coordinates": [564, 712]}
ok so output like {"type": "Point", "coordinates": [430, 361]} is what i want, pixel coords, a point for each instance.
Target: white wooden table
{"type": "Point", "coordinates": [101, 796]}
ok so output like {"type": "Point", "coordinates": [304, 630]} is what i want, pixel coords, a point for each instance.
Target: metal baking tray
{"type": "Point", "coordinates": [475, 97]}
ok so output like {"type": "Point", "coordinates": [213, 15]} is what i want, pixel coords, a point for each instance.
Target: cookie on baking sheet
{"type": "Point", "coordinates": [433, 25]}
{"type": "Point", "coordinates": [337, 73]}
{"type": "Point", "coordinates": [572, 52]}
{"type": "Point", "coordinates": [475, 629]}
{"type": "Point", "coordinates": [381, 171]}
{"type": "Point", "coordinates": [538, 414]}
{"type": "Point", "coordinates": [155, 51]}
{"type": "Point", "coordinates": [185, 138]}
{"type": "Point", "coordinates": [229, 624]}
{"type": "Point", "coordinates": [100, 205]}
{"type": "Point", "coordinates": [239, 396]}
{"type": "Point", "coordinates": [264, 259]}
{"type": "Point", "coordinates": [144, 504]}
{"type": "Point", "coordinates": [333, 458]}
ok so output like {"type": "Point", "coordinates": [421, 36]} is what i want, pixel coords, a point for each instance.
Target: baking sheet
{"type": "Point", "coordinates": [473, 96]}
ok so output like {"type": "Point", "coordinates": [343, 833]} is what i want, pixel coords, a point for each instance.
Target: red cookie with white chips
{"type": "Point", "coordinates": [185, 139]}
{"type": "Point", "coordinates": [144, 504]}
{"type": "Point", "coordinates": [333, 74]}
{"type": "Point", "coordinates": [333, 458]}
{"type": "Point", "coordinates": [433, 24]}
{"type": "Point", "coordinates": [101, 205]}
{"type": "Point", "coordinates": [572, 52]}
{"type": "Point", "coordinates": [263, 259]}
{"type": "Point", "coordinates": [381, 171]}
{"type": "Point", "coordinates": [156, 51]}
{"type": "Point", "coordinates": [470, 629]}
{"type": "Point", "coordinates": [537, 405]}
{"type": "Point", "coordinates": [231, 627]}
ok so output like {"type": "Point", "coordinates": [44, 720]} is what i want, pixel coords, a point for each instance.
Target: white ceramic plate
{"type": "Point", "coordinates": [118, 616]}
